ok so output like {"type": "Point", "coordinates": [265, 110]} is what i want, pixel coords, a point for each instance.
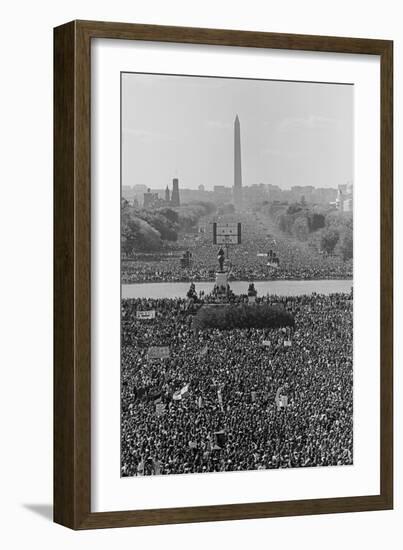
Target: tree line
{"type": "Point", "coordinates": [327, 229]}
{"type": "Point", "coordinates": [144, 230]}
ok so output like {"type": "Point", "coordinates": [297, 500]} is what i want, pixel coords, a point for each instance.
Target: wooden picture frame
{"type": "Point", "coordinates": [72, 270]}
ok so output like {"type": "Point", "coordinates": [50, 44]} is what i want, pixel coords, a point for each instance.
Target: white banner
{"type": "Point", "coordinates": [150, 314]}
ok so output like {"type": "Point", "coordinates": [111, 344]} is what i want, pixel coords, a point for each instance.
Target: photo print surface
{"type": "Point", "coordinates": [236, 274]}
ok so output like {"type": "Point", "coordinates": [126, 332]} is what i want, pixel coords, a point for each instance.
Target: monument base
{"type": "Point", "coordinates": [221, 280]}
{"type": "Point", "coordinates": [221, 287]}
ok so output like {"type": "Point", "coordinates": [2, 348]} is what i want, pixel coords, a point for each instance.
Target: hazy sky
{"type": "Point", "coordinates": [292, 133]}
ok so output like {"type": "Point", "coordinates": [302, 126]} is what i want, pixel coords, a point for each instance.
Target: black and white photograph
{"type": "Point", "coordinates": [236, 274]}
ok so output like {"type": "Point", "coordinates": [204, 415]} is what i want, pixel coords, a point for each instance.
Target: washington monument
{"type": "Point", "coordinates": [237, 190]}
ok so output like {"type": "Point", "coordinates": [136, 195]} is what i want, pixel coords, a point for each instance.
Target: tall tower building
{"type": "Point", "coordinates": [175, 200]}
{"type": "Point", "coordinates": [167, 194]}
{"type": "Point", "coordinates": [237, 189]}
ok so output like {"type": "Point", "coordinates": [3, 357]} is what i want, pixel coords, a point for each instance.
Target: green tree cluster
{"type": "Point", "coordinates": [145, 230]}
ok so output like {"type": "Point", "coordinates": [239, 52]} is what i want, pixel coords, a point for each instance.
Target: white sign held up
{"type": "Point", "coordinates": [150, 314]}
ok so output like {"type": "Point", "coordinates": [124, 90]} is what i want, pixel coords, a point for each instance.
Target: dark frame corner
{"type": "Point", "coordinates": [72, 307]}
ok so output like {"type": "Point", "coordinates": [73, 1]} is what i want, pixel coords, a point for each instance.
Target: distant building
{"type": "Point", "coordinates": [311, 195]}
{"type": "Point", "coordinates": [175, 199]}
{"type": "Point", "coordinates": [134, 193]}
{"type": "Point", "coordinates": [202, 188]}
{"type": "Point", "coordinates": [151, 199]}
{"type": "Point", "coordinates": [344, 199]}
{"type": "Point", "coordinates": [348, 205]}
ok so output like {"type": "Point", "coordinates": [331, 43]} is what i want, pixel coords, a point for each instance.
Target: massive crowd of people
{"type": "Point", "coordinates": [241, 399]}
{"type": "Point", "coordinates": [297, 260]}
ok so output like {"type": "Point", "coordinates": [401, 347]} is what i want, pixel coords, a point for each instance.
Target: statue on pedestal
{"type": "Point", "coordinates": [221, 257]}
{"type": "Point", "coordinates": [252, 293]}
{"type": "Point", "coordinates": [252, 290]}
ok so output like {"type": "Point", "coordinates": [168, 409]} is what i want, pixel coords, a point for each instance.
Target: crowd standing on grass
{"type": "Point", "coordinates": [213, 405]}
{"type": "Point", "coordinates": [297, 260]}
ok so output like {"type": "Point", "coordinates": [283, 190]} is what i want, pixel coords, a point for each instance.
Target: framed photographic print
{"type": "Point", "coordinates": [222, 275]}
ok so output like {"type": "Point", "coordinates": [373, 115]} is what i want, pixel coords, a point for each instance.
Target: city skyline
{"type": "Point", "coordinates": [293, 133]}
{"type": "Point", "coordinates": [140, 195]}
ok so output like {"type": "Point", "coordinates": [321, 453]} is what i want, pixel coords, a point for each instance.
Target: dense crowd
{"type": "Point", "coordinates": [297, 259]}
{"type": "Point", "coordinates": [214, 403]}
